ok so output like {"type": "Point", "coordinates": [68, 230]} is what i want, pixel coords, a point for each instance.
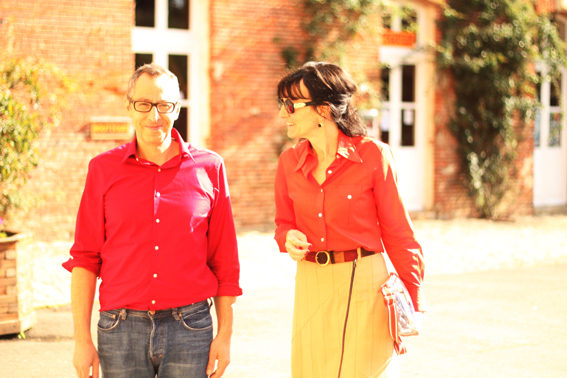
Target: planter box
{"type": "Point", "coordinates": [398, 38]}
{"type": "Point", "coordinates": [16, 295]}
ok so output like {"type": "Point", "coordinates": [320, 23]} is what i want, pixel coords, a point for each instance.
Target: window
{"type": "Point", "coordinates": [172, 33]}
{"type": "Point", "coordinates": [385, 83]}
{"type": "Point", "coordinates": [398, 111]}
{"type": "Point", "coordinates": [408, 105]}
{"type": "Point", "coordinates": [178, 14]}
{"type": "Point", "coordinates": [145, 13]}
{"type": "Point", "coordinates": [555, 114]}
{"type": "Point", "coordinates": [554, 138]}
{"type": "Point", "coordinates": [399, 18]}
{"type": "Point", "coordinates": [548, 118]}
{"type": "Point", "coordinates": [409, 19]}
{"type": "Point", "coordinates": [178, 64]}
{"type": "Point", "coordinates": [385, 97]}
{"type": "Point", "coordinates": [408, 83]}
{"type": "Point", "coordinates": [142, 59]}
{"type": "Point", "coordinates": [181, 124]}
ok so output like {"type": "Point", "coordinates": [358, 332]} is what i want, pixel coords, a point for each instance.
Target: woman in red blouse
{"type": "Point", "coordinates": [338, 209]}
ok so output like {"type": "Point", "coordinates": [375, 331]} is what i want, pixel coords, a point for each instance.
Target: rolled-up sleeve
{"type": "Point", "coordinates": [285, 216]}
{"type": "Point", "coordinates": [89, 229]}
{"type": "Point", "coordinates": [222, 244]}
{"type": "Point", "coordinates": [397, 231]}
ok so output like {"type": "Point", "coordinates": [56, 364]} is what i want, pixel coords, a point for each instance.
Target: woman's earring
{"type": "Point", "coordinates": [320, 124]}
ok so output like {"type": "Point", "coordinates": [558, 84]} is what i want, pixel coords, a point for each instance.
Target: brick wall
{"type": "Point", "coordinates": [450, 194]}
{"type": "Point", "coordinates": [247, 38]}
{"type": "Point", "coordinates": [16, 291]}
{"type": "Point", "coordinates": [90, 41]}
{"type": "Point", "coordinates": [246, 66]}
{"type": "Point", "coordinates": [450, 197]}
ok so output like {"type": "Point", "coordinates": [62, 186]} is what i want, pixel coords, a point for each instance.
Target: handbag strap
{"type": "Point", "coordinates": [392, 321]}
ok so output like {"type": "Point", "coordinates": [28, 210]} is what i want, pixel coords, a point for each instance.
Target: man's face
{"type": "Point", "coordinates": [153, 128]}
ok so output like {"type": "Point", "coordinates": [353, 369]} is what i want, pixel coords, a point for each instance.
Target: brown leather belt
{"type": "Point", "coordinates": [334, 257]}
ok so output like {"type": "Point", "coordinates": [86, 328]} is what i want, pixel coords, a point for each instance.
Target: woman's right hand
{"type": "Point", "coordinates": [296, 244]}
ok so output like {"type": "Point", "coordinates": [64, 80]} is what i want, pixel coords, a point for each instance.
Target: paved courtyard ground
{"type": "Point", "coordinates": [497, 295]}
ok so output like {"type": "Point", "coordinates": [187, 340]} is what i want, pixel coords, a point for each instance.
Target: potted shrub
{"type": "Point", "coordinates": [25, 110]}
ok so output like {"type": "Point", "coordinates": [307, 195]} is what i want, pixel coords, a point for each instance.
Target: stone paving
{"type": "Point", "coordinates": [450, 247]}
{"type": "Point", "coordinates": [464, 258]}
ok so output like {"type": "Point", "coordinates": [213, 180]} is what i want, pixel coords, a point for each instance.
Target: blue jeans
{"type": "Point", "coordinates": [166, 343]}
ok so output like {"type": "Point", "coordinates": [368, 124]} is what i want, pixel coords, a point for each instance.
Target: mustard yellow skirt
{"type": "Point", "coordinates": [321, 299]}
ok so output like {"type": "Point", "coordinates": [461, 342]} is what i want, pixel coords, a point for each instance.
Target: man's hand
{"type": "Point", "coordinates": [84, 358]}
{"type": "Point", "coordinates": [219, 355]}
{"type": "Point", "coordinates": [296, 244]}
{"type": "Point", "coordinates": [83, 286]}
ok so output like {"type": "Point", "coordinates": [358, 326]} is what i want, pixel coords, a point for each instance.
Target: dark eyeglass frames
{"type": "Point", "coordinates": [290, 106]}
{"type": "Point", "coordinates": [146, 106]}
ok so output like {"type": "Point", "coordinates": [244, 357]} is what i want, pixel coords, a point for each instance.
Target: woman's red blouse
{"type": "Point", "coordinates": [358, 205]}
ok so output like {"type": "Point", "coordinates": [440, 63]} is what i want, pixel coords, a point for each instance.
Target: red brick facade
{"type": "Point", "coordinates": [450, 196]}
{"type": "Point", "coordinates": [246, 65]}
{"type": "Point", "coordinates": [91, 41]}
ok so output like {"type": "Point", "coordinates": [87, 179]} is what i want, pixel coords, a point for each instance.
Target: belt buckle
{"type": "Point", "coordinates": [322, 258]}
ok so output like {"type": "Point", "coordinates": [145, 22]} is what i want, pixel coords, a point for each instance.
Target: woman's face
{"type": "Point", "coordinates": [302, 123]}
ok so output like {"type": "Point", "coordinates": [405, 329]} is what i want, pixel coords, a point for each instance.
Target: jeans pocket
{"type": "Point", "coordinates": [108, 321]}
{"type": "Point", "coordinates": [200, 320]}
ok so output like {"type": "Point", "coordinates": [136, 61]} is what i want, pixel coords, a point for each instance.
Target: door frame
{"type": "Point", "coordinates": [194, 42]}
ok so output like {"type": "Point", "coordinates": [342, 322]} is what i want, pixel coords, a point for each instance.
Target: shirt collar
{"type": "Point", "coordinates": [347, 148]}
{"type": "Point", "coordinates": [184, 147]}
{"type": "Point", "coordinates": [307, 161]}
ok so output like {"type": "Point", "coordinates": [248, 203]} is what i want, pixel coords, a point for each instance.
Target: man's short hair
{"type": "Point", "coordinates": [153, 70]}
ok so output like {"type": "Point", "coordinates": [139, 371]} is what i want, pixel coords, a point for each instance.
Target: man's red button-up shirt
{"type": "Point", "coordinates": [358, 205]}
{"type": "Point", "coordinates": [158, 236]}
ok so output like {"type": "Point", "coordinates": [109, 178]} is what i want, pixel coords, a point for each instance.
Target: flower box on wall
{"type": "Point", "coordinates": [398, 38]}
{"type": "Point", "coordinates": [16, 298]}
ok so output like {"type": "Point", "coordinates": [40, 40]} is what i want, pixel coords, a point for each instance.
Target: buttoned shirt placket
{"type": "Point", "coordinates": [154, 253]}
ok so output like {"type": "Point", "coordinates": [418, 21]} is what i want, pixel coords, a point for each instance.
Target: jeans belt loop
{"type": "Point", "coordinates": [359, 253]}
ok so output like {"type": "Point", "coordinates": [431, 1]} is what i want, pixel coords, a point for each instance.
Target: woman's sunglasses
{"type": "Point", "coordinates": [291, 106]}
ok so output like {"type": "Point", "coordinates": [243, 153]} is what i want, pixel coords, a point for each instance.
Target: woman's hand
{"type": "Point", "coordinates": [296, 244]}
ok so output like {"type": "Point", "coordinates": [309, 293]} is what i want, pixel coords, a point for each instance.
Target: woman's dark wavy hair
{"type": "Point", "coordinates": [328, 85]}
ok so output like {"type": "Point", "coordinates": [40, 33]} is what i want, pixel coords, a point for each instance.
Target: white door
{"type": "Point", "coordinates": [400, 127]}
{"type": "Point", "coordinates": [175, 34]}
{"type": "Point", "coordinates": [401, 119]}
{"type": "Point", "coordinates": [550, 140]}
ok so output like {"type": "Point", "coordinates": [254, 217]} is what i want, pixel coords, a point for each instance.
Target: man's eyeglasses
{"type": "Point", "coordinates": [146, 106]}
{"type": "Point", "coordinates": [290, 106]}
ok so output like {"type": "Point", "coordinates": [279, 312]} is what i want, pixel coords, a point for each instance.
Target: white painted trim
{"type": "Point", "coordinates": [550, 163]}
{"type": "Point", "coordinates": [422, 169]}
{"type": "Point", "coordinates": [161, 42]}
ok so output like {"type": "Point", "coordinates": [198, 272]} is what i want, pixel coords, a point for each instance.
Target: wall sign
{"type": "Point", "coordinates": [111, 128]}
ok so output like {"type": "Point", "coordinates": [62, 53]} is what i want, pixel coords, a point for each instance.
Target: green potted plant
{"type": "Point", "coordinates": [29, 103]}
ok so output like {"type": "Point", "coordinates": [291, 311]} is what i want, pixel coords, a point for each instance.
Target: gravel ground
{"type": "Point", "coordinates": [450, 247]}
{"type": "Point", "coordinates": [496, 293]}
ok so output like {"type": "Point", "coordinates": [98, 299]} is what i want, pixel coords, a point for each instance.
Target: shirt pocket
{"type": "Point", "coordinates": [341, 204]}
{"type": "Point", "coordinates": [351, 204]}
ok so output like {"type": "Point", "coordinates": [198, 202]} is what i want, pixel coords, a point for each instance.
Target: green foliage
{"type": "Point", "coordinates": [330, 25]}
{"type": "Point", "coordinates": [290, 55]}
{"type": "Point", "coordinates": [335, 23]}
{"type": "Point", "coordinates": [26, 108]}
{"type": "Point", "coordinates": [489, 46]}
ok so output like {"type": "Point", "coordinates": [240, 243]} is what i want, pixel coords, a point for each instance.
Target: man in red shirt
{"type": "Point", "coordinates": [155, 224]}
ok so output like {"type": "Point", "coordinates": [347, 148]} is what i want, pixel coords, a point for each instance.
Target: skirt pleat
{"type": "Point", "coordinates": [320, 307]}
